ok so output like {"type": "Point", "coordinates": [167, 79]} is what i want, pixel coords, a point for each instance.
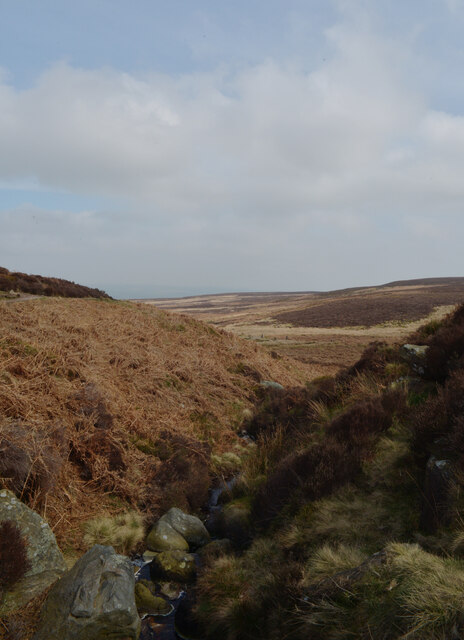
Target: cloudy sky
{"type": "Point", "coordinates": [195, 146]}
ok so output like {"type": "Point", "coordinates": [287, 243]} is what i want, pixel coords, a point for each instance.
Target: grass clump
{"type": "Point", "coordinates": [330, 559]}
{"type": "Point", "coordinates": [123, 532]}
{"type": "Point", "coordinates": [240, 598]}
{"type": "Point", "coordinates": [413, 594]}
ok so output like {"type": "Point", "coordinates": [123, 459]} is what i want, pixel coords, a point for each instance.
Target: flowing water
{"type": "Point", "coordinates": [166, 627]}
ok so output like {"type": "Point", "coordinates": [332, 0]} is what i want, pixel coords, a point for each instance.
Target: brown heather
{"type": "Point", "coordinates": [106, 406]}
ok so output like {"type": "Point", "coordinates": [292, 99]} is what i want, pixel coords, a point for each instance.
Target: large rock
{"type": "Point", "coordinates": [190, 527]}
{"type": "Point", "coordinates": [148, 601]}
{"type": "Point", "coordinates": [93, 601]}
{"type": "Point", "coordinates": [46, 562]}
{"type": "Point", "coordinates": [174, 565]}
{"type": "Point", "coordinates": [164, 538]}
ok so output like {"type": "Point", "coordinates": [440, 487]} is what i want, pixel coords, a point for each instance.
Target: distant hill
{"type": "Point", "coordinates": [42, 286]}
{"type": "Point", "coordinates": [400, 301]}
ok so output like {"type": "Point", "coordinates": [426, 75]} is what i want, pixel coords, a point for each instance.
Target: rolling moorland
{"type": "Point", "coordinates": [327, 330]}
{"type": "Point", "coordinates": [340, 496]}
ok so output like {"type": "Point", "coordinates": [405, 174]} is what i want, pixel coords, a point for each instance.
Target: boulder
{"type": "Point", "coordinates": [93, 601]}
{"type": "Point", "coordinates": [45, 558]}
{"type": "Point", "coordinates": [190, 528]}
{"type": "Point", "coordinates": [163, 537]}
{"type": "Point", "coordinates": [416, 356]}
{"type": "Point", "coordinates": [270, 384]}
{"type": "Point", "coordinates": [148, 602]}
{"type": "Point", "coordinates": [174, 565]}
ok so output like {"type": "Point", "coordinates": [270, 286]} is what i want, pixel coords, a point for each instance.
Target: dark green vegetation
{"type": "Point", "coordinates": [354, 496]}
{"type": "Point", "coordinates": [14, 562]}
{"type": "Point", "coordinates": [42, 286]}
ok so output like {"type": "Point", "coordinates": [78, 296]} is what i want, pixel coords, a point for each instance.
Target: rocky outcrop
{"type": "Point", "coordinates": [46, 564]}
{"type": "Point", "coordinates": [189, 527]}
{"type": "Point", "coordinates": [93, 601]}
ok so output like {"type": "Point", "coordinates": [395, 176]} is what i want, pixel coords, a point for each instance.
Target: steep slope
{"type": "Point", "coordinates": [107, 405]}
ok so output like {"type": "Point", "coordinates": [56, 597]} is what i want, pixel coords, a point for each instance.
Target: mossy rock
{"type": "Point", "coordinates": [189, 527]}
{"type": "Point", "coordinates": [164, 538]}
{"type": "Point", "coordinates": [45, 559]}
{"type": "Point", "coordinates": [147, 602]}
{"type": "Point", "coordinates": [174, 565]}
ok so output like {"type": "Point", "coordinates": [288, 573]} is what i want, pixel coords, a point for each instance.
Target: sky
{"type": "Point", "coordinates": [175, 148]}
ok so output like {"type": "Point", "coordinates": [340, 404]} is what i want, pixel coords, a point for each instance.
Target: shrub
{"type": "Point", "coordinates": [30, 460]}
{"type": "Point", "coordinates": [314, 473]}
{"type": "Point", "coordinates": [360, 423]}
{"type": "Point", "coordinates": [123, 532]}
{"type": "Point", "coordinates": [323, 467]}
{"type": "Point", "coordinates": [40, 285]}
{"type": "Point", "coordinates": [285, 408]}
{"type": "Point", "coordinates": [246, 598]}
{"type": "Point", "coordinates": [183, 478]}
{"type": "Point", "coordinates": [372, 360]}
{"type": "Point", "coordinates": [14, 562]}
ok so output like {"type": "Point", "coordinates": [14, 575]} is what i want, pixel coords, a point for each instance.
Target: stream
{"type": "Point", "coordinates": [178, 623]}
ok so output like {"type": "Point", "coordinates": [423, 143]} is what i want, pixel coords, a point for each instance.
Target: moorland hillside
{"type": "Point", "coordinates": [20, 283]}
{"type": "Point", "coordinates": [327, 330]}
{"type": "Point", "coordinates": [351, 508]}
{"type": "Point", "coordinates": [108, 405]}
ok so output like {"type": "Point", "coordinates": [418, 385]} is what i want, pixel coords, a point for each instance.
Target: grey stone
{"type": "Point", "coordinates": [94, 601]}
{"type": "Point", "coordinates": [190, 527]}
{"type": "Point", "coordinates": [163, 537]}
{"type": "Point", "coordinates": [46, 561]}
{"type": "Point", "coordinates": [270, 384]}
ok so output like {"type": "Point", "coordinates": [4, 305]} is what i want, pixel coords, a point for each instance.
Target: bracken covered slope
{"type": "Point", "coordinates": [108, 405]}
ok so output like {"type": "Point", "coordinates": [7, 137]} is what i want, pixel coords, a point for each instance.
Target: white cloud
{"type": "Point", "coordinates": [236, 167]}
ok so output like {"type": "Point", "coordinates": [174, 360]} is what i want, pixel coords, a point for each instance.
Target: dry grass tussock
{"type": "Point", "coordinates": [107, 407]}
{"type": "Point", "coordinates": [123, 532]}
